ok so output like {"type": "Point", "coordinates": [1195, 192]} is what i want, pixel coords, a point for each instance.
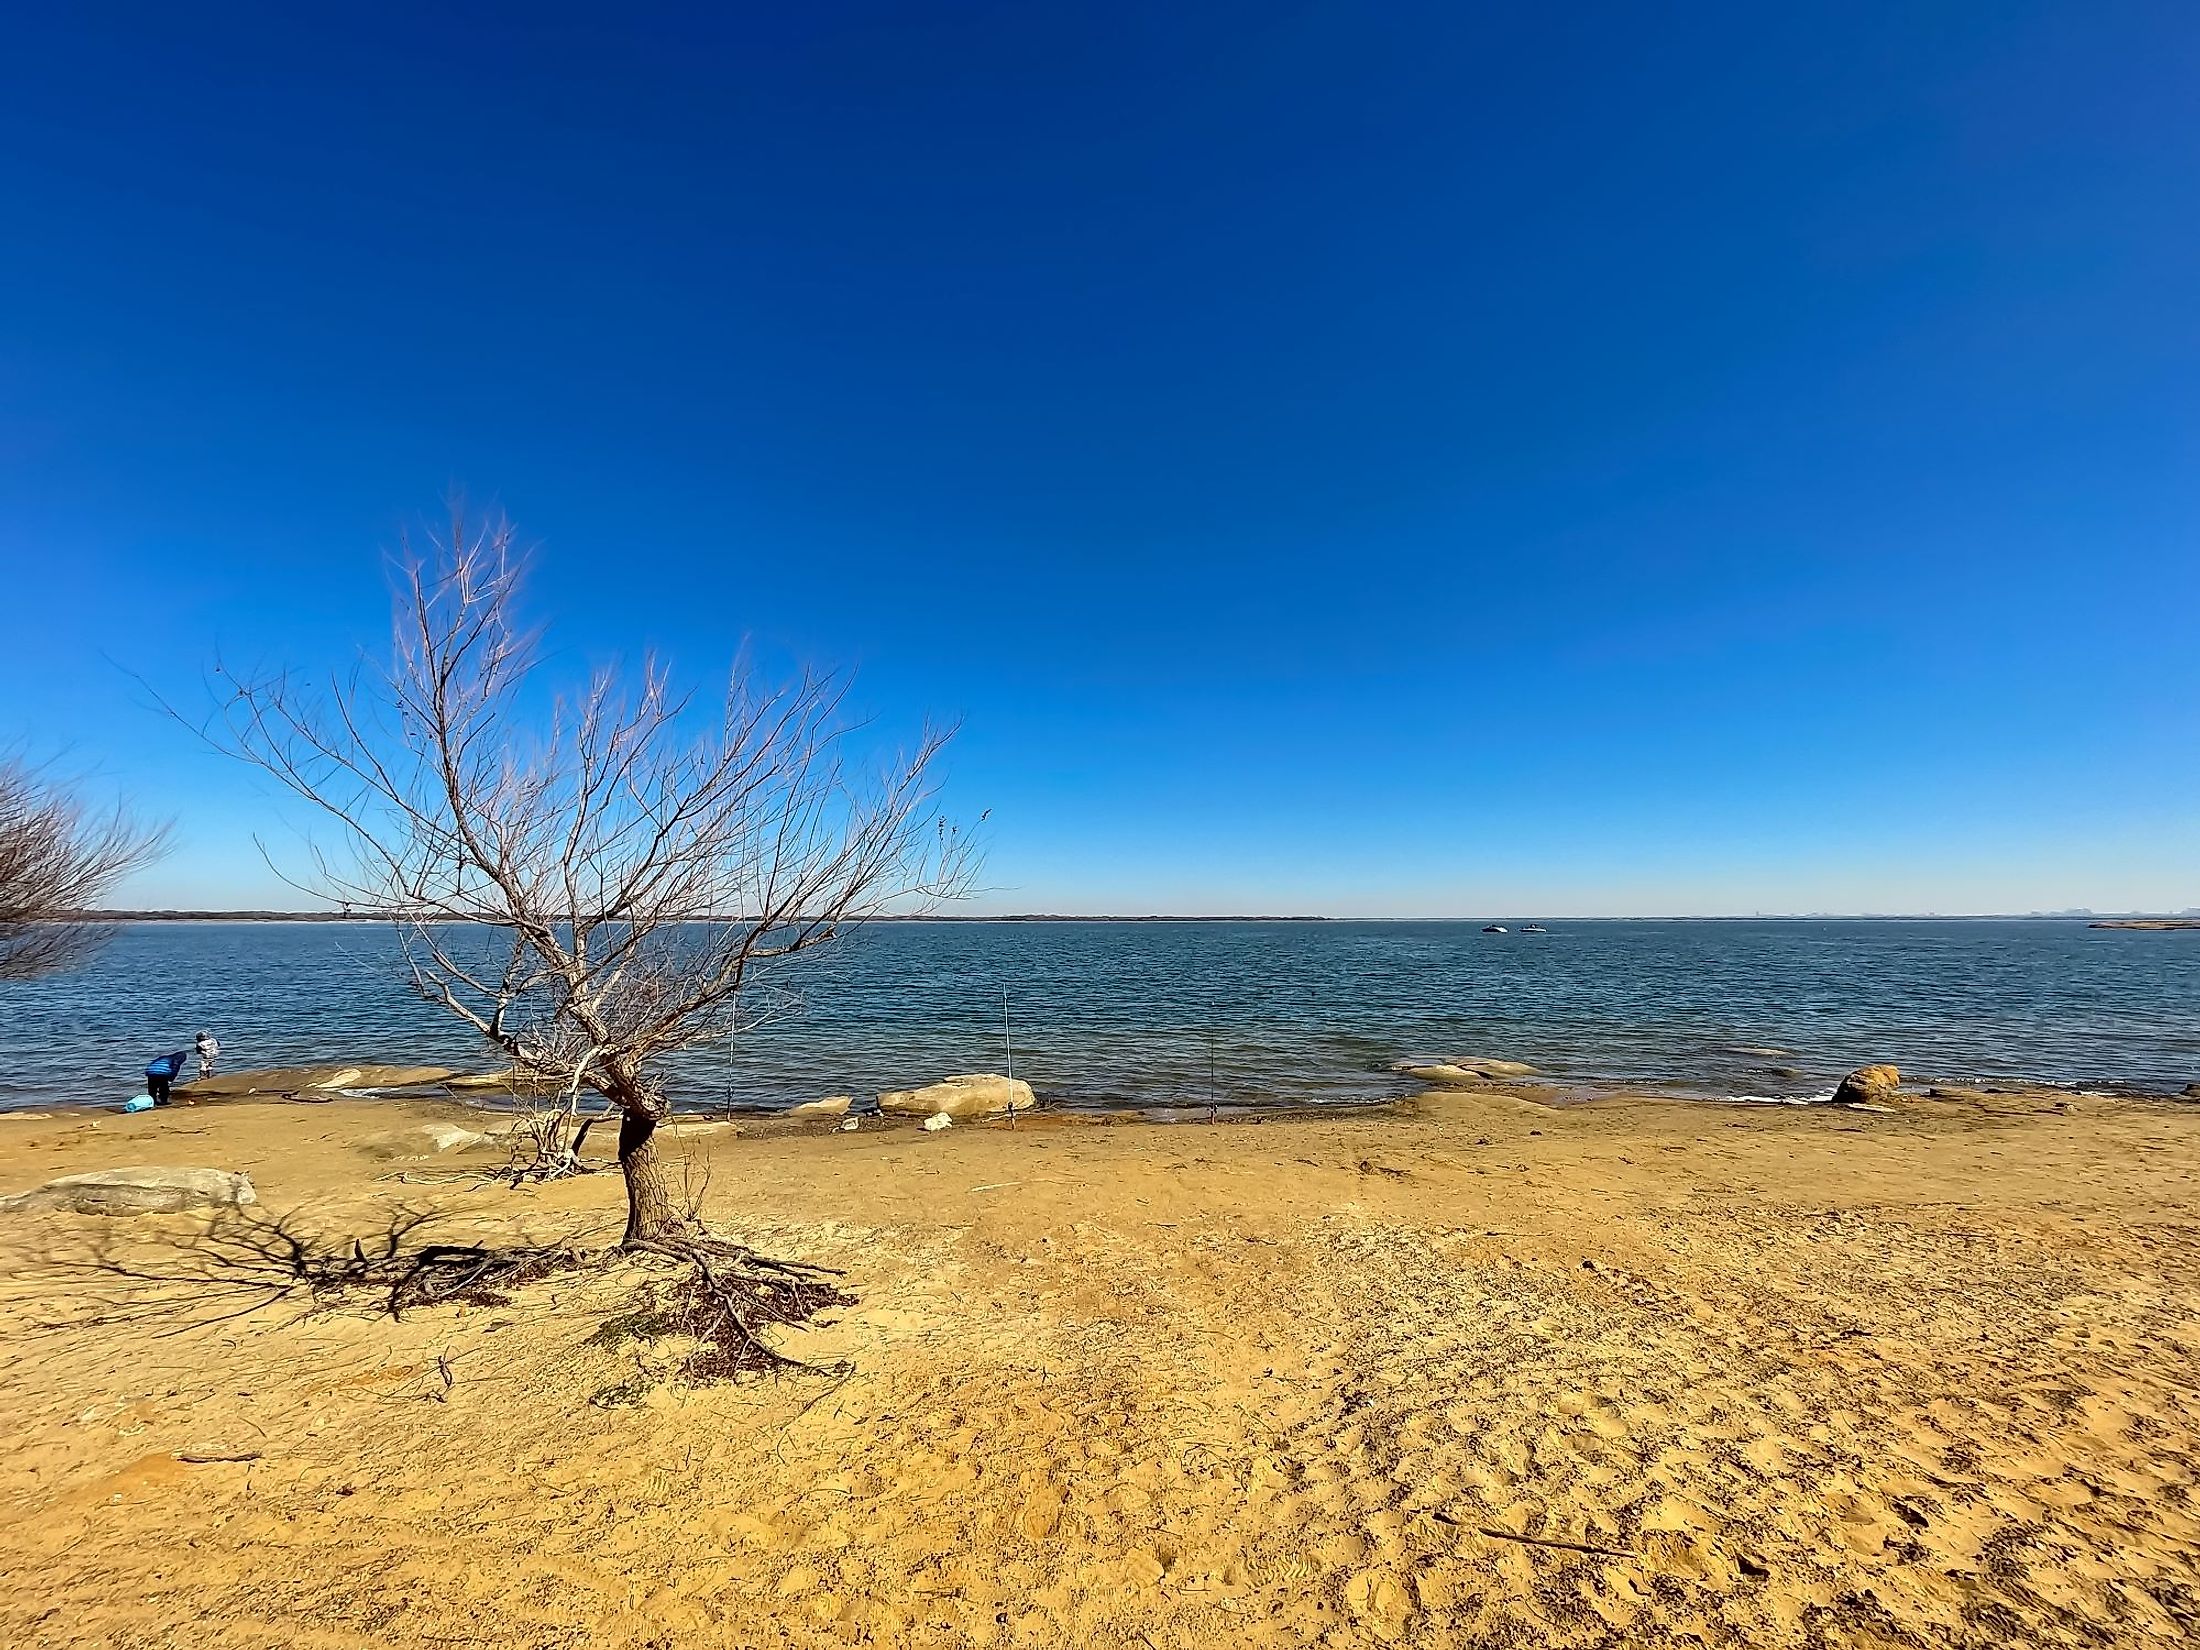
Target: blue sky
{"type": "Point", "coordinates": [1389, 460]}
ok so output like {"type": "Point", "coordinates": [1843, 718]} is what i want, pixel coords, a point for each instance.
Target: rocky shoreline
{"type": "Point", "coordinates": [989, 1094]}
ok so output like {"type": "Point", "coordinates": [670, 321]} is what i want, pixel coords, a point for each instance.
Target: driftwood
{"type": "Point", "coordinates": [1496, 1534]}
{"type": "Point", "coordinates": [1547, 1541]}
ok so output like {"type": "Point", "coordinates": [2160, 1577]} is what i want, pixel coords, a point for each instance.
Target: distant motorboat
{"type": "Point", "coordinates": [1496, 928]}
{"type": "Point", "coordinates": [1533, 928]}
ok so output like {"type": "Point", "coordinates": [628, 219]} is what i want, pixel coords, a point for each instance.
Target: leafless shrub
{"type": "Point", "coordinates": [59, 860]}
{"type": "Point", "coordinates": [596, 878]}
{"type": "Point", "coordinates": [592, 879]}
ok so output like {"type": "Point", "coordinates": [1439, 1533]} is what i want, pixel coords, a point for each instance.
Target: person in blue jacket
{"type": "Point", "coordinates": [162, 1072]}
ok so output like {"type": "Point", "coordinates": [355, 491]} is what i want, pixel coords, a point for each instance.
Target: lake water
{"type": "Point", "coordinates": [1129, 1013]}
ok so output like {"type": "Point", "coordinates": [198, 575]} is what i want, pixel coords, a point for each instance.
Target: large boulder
{"type": "Point", "coordinates": [1868, 1086]}
{"type": "Point", "coordinates": [144, 1191]}
{"type": "Point", "coordinates": [423, 1140]}
{"type": "Point", "coordinates": [984, 1094]}
{"type": "Point", "coordinates": [832, 1106]}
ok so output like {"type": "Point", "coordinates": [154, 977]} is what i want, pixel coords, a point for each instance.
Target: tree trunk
{"type": "Point", "coordinates": [649, 1212]}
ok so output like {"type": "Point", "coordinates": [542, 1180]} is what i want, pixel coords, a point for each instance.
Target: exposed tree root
{"type": "Point", "coordinates": [722, 1296]}
{"type": "Point", "coordinates": [445, 1274]}
{"type": "Point", "coordinates": [727, 1294]}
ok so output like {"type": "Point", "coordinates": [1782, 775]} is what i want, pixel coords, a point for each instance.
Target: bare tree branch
{"type": "Point", "coordinates": [59, 861]}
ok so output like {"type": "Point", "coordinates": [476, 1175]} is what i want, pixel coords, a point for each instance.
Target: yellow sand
{"type": "Point", "coordinates": [1797, 1377]}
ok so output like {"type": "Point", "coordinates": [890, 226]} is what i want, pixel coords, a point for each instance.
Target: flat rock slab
{"type": "Point", "coordinates": [1489, 1067]}
{"type": "Point", "coordinates": [1456, 1075]}
{"type": "Point", "coordinates": [423, 1140]}
{"type": "Point", "coordinates": [1465, 1069]}
{"type": "Point", "coordinates": [237, 1085]}
{"type": "Point", "coordinates": [513, 1082]}
{"type": "Point", "coordinates": [141, 1191]}
{"type": "Point", "coordinates": [703, 1129]}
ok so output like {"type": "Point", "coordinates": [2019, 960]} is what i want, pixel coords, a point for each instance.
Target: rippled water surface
{"type": "Point", "coordinates": [1129, 1013]}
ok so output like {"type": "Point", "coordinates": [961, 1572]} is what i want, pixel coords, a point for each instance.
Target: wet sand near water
{"type": "Point", "coordinates": [1474, 1371]}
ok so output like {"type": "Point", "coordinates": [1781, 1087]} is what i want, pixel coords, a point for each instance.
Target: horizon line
{"type": "Point", "coordinates": [2071, 914]}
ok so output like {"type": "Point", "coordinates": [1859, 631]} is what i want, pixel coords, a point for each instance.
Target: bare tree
{"type": "Point", "coordinates": [59, 859]}
{"type": "Point", "coordinates": [592, 879]}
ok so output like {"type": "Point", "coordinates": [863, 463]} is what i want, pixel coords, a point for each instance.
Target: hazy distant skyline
{"type": "Point", "coordinates": [1422, 461]}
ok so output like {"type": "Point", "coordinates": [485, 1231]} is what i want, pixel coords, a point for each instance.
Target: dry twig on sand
{"type": "Point", "coordinates": [1563, 1545]}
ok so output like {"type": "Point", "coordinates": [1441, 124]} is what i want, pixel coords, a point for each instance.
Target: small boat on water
{"type": "Point", "coordinates": [1533, 928]}
{"type": "Point", "coordinates": [1496, 928]}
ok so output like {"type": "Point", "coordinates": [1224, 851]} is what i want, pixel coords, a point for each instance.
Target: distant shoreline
{"type": "Point", "coordinates": [2127, 920]}
{"type": "Point", "coordinates": [1035, 916]}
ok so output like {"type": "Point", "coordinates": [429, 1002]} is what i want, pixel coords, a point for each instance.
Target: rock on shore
{"type": "Point", "coordinates": [1446, 1074]}
{"type": "Point", "coordinates": [136, 1191]}
{"type": "Point", "coordinates": [286, 1080]}
{"type": "Point", "coordinates": [1464, 1070]}
{"type": "Point", "coordinates": [423, 1140]}
{"type": "Point", "coordinates": [1868, 1086]}
{"type": "Point", "coordinates": [983, 1094]}
{"type": "Point", "coordinates": [511, 1080]}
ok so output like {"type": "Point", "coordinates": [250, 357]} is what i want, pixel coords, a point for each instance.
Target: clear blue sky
{"type": "Point", "coordinates": [1340, 458]}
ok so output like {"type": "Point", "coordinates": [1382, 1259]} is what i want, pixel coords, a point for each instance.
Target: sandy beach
{"type": "Point", "coordinates": [1468, 1371]}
